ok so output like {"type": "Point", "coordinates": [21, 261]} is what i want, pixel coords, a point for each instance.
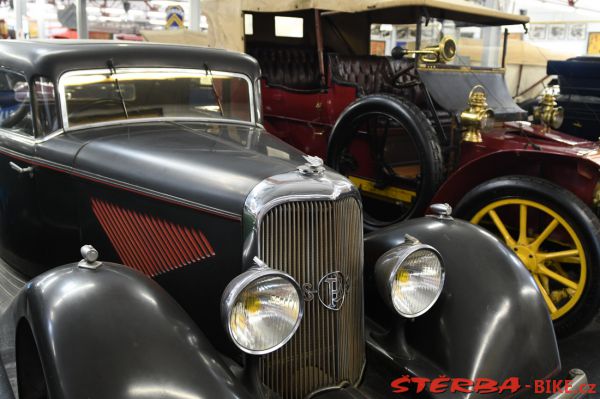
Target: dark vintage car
{"type": "Point", "coordinates": [246, 271]}
{"type": "Point", "coordinates": [578, 81]}
{"type": "Point", "coordinates": [435, 125]}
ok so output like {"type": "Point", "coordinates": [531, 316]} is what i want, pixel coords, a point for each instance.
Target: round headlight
{"type": "Point", "coordinates": [558, 116]}
{"type": "Point", "coordinates": [487, 121]}
{"type": "Point", "coordinates": [262, 309]}
{"type": "Point", "coordinates": [410, 277]}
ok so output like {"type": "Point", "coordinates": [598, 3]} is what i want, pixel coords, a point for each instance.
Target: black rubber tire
{"type": "Point", "coordinates": [575, 212]}
{"type": "Point", "coordinates": [417, 126]}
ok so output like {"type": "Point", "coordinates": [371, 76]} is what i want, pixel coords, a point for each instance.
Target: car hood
{"type": "Point", "coordinates": [212, 165]}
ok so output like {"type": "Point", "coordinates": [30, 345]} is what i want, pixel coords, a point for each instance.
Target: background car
{"type": "Point", "coordinates": [246, 272]}
{"type": "Point", "coordinates": [434, 128]}
{"type": "Point", "coordinates": [579, 86]}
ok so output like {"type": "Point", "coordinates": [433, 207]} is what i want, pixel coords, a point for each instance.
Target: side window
{"type": "Point", "coordinates": [46, 105]}
{"type": "Point", "coordinates": [289, 27]}
{"type": "Point", "coordinates": [248, 24]}
{"type": "Point", "coordinates": [15, 105]}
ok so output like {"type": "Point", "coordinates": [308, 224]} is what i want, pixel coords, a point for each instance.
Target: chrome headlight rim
{"type": "Point", "coordinates": [487, 120]}
{"type": "Point", "coordinates": [557, 118]}
{"type": "Point", "coordinates": [408, 248]}
{"type": "Point", "coordinates": [237, 286]}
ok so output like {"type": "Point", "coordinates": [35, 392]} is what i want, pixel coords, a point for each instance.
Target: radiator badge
{"type": "Point", "coordinates": [331, 291]}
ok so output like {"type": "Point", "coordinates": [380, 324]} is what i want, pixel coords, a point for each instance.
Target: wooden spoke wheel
{"type": "Point", "coordinates": [554, 234]}
{"type": "Point", "coordinates": [388, 148]}
{"type": "Point", "coordinates": [559, 267]}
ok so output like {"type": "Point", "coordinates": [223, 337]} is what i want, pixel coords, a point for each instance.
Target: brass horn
{"type": "Point", "coordinates": [444, 52]}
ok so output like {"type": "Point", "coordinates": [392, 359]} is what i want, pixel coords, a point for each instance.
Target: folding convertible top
{"type": "Point", "coordinates": [395, 11]}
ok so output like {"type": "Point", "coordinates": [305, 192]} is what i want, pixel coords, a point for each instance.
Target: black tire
{"type": "Point", "coordinates": [578, 215]}
{"type": "Point", "coordinates": [422, 135]}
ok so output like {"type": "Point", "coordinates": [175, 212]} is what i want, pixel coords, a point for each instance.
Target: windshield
{"type": "Point", "coordinates": [476, 46]}
{"type": "Point", "coordinates": [100, 96]}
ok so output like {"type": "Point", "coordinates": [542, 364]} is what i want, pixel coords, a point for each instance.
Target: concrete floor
{"type": "Point", "coordinates": [582, 351]}
{"type": "Point", "coordinates": [10, 283]}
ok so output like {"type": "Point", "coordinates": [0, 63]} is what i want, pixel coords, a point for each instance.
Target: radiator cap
{"type": "Point", "coordinates": [312, 167]}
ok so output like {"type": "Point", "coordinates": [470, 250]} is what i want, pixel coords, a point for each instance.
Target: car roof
{"type": "Point", "coordinates": [52, 58]}
{"type": "Point", "coordinates": [393, 11]}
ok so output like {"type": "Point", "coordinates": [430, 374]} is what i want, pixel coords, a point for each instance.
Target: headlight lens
{"type": "Point", "coordinates": [262, 309]}
{"type": "Point", "coordinates": [410, 277]}
{"type": "Point", "coordinates": [487, 121]}
{"type": "Point", "coordinates": [558, 116]}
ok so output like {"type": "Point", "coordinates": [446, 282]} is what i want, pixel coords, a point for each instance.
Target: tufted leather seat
{"type": "Point", "coordinates": [291, 67]}
{"type": "Point", "coordinates": [369, 73]}
{"type": "Point", "coordinates": [373, 74]}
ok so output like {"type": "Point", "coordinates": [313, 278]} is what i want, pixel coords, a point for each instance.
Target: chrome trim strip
{"type": "Point", "coordinates": [106, 71]}
{"type": "Point", "coordinates": [28, 139]}
{"type": "Point", "coordinates": [162, 120]}
{"type": "Point", "coordinates": [21, 138]}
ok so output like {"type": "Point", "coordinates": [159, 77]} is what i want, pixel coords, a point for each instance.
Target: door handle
{"type": "Point", "coordinates": [20, 170]}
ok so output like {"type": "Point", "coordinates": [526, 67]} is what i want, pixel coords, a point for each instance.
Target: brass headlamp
{"type": "Point", "coordinates": [478, 117]}
{"type": "Point", "coordinates": [444, 52]}
{"type": "Point", "coordinates": [548, 113]}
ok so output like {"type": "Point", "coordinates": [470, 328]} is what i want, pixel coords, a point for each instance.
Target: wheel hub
{"type": "Point", "coordinates": [528, 257]}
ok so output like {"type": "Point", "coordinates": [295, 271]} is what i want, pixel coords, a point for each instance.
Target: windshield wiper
{"type": "Point", "coordinates": [208, 72]}
{"type": "Point", "coordinates": [113, 72]}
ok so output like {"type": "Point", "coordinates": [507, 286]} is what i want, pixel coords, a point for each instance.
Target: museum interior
{"type": "Point", "coordinates": [299, 199]}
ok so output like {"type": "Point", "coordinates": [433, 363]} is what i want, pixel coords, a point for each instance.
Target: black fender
{"type": "Point", "coordinates": [111, 333]}
{"type": "Point", "coordinates": [490, 320]}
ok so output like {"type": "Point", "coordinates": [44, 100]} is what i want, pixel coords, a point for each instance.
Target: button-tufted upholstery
{"type": "Point", "coordinates": [292, 67]}
{"type": "Point", "coordinates": [373, 74]}
{"type": "Point", "coordinates": [297, 68]}
{"type": "Point", "coordinates": [370, 73]}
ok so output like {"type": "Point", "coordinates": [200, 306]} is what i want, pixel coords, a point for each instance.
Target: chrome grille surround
{"type": "Point", "coordinates": [309, 227]}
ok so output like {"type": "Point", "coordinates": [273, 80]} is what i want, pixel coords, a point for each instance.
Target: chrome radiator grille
{"type": "Point", "coordinates": [310, 240]}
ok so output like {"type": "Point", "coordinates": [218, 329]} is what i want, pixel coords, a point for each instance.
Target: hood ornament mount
{"type": "Point", "coordinates": [312, 167]}
{"type": "Point", "coordinates": [90, 258]}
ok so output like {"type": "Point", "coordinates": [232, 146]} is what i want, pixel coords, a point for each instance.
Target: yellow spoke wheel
{"type": "Point", "coordinates": [560, 290]}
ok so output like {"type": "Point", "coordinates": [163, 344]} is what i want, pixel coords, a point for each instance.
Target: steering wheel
{"type": "Point", "coordinates": [409, 83]}
{"type": "Point", "coordinates": [16, 117]}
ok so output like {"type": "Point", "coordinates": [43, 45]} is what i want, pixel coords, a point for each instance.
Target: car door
{"type": "Point", "coordinates": [19, 233]}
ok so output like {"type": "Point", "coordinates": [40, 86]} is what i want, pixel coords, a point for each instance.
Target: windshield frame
{"type": "Point", "coordinates": [199, 72]}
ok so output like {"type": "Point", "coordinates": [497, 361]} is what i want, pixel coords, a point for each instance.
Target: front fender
{"type": "Point", "coordinates": [114, 333]}
{"type": "Point", "coordinates": [490, 320]}
{"type": "Point", "coordinates": [575, 173]}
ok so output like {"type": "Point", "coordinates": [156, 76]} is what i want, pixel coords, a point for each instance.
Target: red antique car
{"type": "Point", "coordinates": [434, 125]}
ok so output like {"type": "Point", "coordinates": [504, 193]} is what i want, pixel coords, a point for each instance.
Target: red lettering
{"type": "Point", "coordinates": [439, 385]}
{"type": "Point", "coordinates": [511, 385]}
{"type": "Point", "coordinates": [539, 386]}
{"type": "Point", "coordinates": [398, 384]}
{"type": "Point", "coordinates": [569, 386]}
{"type": "Point", "coordinates": [421, 383]}
{"type": "Point", "coordinates": [485, 385]}
{"type": "Point", "coordinates": [463, 385]}
{"type": "Point", "coordinates": [556, 387]}
{"type": "Point", "coordinates": [591, 389]}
